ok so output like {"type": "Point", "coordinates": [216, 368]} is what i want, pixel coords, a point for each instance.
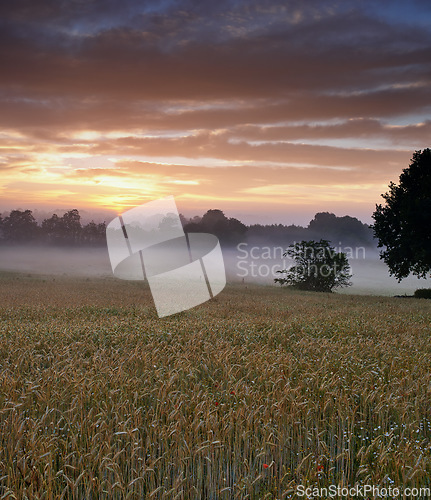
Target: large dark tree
{"type": "Point", "coordinates": [403, 222]}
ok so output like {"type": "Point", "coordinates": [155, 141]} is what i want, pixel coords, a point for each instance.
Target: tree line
{"type": "Point", "coordinates": [346, 230]}
{"type": "Point", "coordinates": [20, 227]}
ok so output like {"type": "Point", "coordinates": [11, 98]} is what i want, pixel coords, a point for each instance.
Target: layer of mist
{"type": "Point", "coordinates": [78, 261]}
{"type": "Point", "coordinates": [255, 264]}
{"type": "Point", "coordinates": [245, 263]}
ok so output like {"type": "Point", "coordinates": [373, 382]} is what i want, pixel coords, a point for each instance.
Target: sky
{"type": "Point", "coordinates": [270, 111]}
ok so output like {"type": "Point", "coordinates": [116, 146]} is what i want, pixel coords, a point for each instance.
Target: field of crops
{"type": "Point", "coordinates": [247, 396]}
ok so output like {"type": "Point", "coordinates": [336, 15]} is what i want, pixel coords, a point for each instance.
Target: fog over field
{"type": "Point", "coordinates": [247, 263]}
{"type": "Point", "coordinates": [255, 264]}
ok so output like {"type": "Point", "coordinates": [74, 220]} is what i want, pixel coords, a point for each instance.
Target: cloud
{"type": "Point", "coordinates": [359, 128]}
{"type": "Point", "coordinates": [169, 56]}
{"type": "Point", "coordinates": [333, 93]}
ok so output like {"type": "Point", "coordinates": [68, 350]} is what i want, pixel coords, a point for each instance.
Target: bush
{"type": "Point", "coordinates": [423, 293]}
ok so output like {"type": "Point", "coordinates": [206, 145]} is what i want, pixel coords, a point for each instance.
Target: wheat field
{"type": "Point", "coordinates": [245, 397]}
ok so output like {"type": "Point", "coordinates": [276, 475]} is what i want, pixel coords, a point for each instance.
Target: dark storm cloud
{"type": "Point", "coordinates": [169, 55]}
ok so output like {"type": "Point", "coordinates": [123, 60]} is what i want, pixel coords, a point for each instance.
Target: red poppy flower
{"type": "Point", "coordinates": [232, 392]}
{"type": "Point", "coordinates": [265, 466]}
{"type": "Point", "coordinates": [216, 403]}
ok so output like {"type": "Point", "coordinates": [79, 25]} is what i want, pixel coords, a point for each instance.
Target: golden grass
{"type": "Point", "coordinates": [246, 396]}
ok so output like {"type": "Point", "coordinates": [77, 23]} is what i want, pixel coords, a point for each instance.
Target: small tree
{"type": "Point", "coordinates": [403, 223]}
{"type": "Point", "coordinates": [318, 267]}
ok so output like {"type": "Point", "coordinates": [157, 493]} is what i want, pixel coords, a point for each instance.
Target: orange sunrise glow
{"type": "Point", "coordinates": [268, 111]}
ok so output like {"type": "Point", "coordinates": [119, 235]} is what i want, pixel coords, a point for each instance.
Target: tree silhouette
{"type": "Point", "coordinates": [93, 234]}
{"type": "Point", "coordinates": [64, 230]}
{"type": "Point", "coordinates": [52, 229]}
{"type": "Point", "coordinates": [213, 218]}
{"type": "Point", "coordinates": [71, 222]}
{"type": "Point", "coordinates": [403, 223]}
{"type": "Point", "coordinates": [19, 227]}
{"type": "Point", "coordinates": [228, 230]}
{"type": "Point", "coordinates": [347, 229]}
{"type": "Point", "coordinates": [317, 267]}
